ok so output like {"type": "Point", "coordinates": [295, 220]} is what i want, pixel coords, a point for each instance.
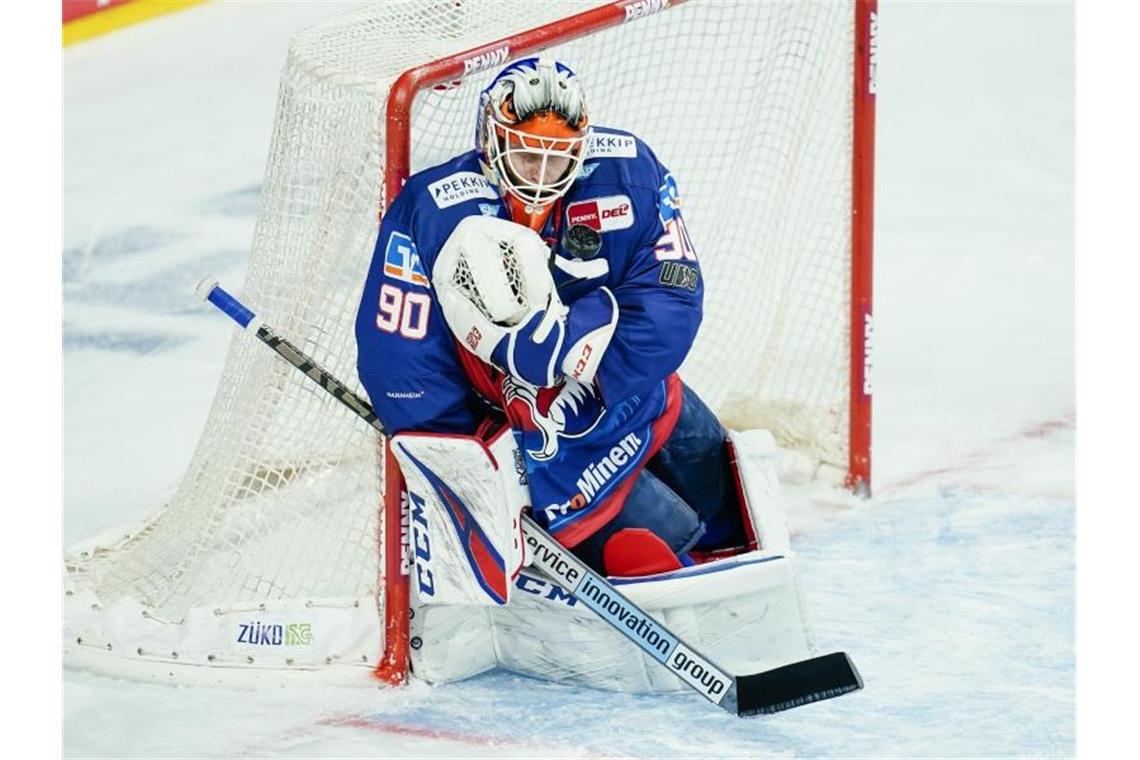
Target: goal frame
{"type": "Point", "coordinates": [393, 665]}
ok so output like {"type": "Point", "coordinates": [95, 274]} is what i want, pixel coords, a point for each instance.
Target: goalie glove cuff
{"type": "Point", "coordinates": [557, 342]}
{"type": "Point", "coordinates": [589, 329]}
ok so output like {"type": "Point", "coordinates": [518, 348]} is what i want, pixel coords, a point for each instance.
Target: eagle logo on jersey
{"type": "Point", "coordinates": [568, 411]}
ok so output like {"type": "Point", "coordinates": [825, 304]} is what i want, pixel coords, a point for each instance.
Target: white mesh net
{"type": "Point", "coordinates": [748, 103]}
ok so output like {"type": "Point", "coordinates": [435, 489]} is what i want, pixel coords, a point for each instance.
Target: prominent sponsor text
{"type": "Point", "coordinates": [597, 475]}
{"type": "Point", "coordinates": [460, 187]}
{"type": "Point", "coordinates": [275, 634]}
{"type": "Point", "coordinates": [613, 146]}
{"type": "Point", "coordinates": [612, 212]}
{"type": "Point", "coordinates": [484, 61]}
{"type": "Point", "coordinates": [642, 8]}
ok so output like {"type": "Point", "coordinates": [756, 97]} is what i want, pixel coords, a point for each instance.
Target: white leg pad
{"type": "Point", "coordinates": [465, 497]}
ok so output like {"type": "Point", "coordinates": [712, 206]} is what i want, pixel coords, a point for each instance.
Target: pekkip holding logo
{"type": "Point", "coordinates": [596, 475]}
{"type": "Point", "coordinates": [459, 187]}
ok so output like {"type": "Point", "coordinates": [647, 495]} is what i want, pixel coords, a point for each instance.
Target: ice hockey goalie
{"type": "Point", "coordinates": [521, 327]}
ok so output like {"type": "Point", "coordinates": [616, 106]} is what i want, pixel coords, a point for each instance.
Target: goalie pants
{"type": "Point", "coordinates": [685, 495]}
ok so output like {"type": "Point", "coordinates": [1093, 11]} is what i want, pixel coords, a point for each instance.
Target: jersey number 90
{"type": "Point", "coordinates": [403, 313]}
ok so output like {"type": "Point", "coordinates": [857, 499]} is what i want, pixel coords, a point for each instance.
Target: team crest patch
{"type": "Point", "coordinates": [460, 187]}
{"type": "Point", "coordinates": [613, 212]}
{"type": "Point", "coordinates": [571, 410]}
{"type": "Point", "coordinates": [402, 261]}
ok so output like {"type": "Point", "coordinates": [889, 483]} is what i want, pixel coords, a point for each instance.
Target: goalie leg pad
{"type": "Point", "coordinates": [757, 462]}
{"type": "Point", "coordinates": [464, 506]}
{"type": "Point", "coordinates": [743, 612]}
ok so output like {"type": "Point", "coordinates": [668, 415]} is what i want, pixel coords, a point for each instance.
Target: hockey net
{"type": "Point", "coordinates": [271, 558]}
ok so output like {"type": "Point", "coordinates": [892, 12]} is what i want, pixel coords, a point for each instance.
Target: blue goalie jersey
{"type": "Point", "coordinates": [619, 227]}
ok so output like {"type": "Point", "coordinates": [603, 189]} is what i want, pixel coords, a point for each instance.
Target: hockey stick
{"type": "Point", "coordinates": [769, 691]}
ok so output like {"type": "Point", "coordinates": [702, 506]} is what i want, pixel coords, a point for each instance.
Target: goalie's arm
{"type": "Point", "coordinates": [659, 292]}
{"type": "Point", "coordinates": [495, 288]}
{"type": "Point", "coordinates": [406, 357]}
{"type": "Point", "coordinates": [496, 291]}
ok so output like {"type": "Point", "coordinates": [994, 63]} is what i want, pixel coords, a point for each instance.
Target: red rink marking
{"type": "Point", "coordinates": [439, 734]}
{"type": "Point", "coordinates": [422, 732]}
{"type": "Point", "coordinates": [1037, 431]}
{"type": "Point", "coordinates": [1050, 426]}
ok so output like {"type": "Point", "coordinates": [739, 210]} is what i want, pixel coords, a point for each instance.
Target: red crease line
{"type": "Point", "coordinates": [419, 731]}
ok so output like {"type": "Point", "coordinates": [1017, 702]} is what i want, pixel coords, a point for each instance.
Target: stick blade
{"type": "Point", "coordinates": [799, 683]}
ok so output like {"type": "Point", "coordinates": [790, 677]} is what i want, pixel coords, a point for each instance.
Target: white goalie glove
{"type": "Point", "coordinates": [492, 277]}
{"type": "Point", "coordinates": [494, 286]}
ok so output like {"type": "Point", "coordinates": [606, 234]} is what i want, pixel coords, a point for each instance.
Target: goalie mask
{"type": "Point", "coordinates": [531, 134]}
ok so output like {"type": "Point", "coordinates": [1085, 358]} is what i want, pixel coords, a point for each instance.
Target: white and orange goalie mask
{"type": "Point", "coordinates": [531, 134]}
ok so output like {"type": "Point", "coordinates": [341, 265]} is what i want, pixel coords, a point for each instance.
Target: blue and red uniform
{"type": "Point", "coordinates": [619, 245]}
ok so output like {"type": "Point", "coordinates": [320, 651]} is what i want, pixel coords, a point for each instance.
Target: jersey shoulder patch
{"type": "Point", "coordinates": [604, 214]}
{"type": "Point", "coordinates": [610, 145]}
{"type": "Point", "coordinates": [459, 187]}
{"type": "Point", "coordinates": [618, 161]}
{"type": "Point", "coordinates": [402, 260]}
{"type": "Point", "coordinates": [448, 184]}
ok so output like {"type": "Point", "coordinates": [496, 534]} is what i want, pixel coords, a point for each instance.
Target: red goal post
{"type": "Point", "coordinates": [447, 71]}
{"type": "Point", "coordinates": [862, 243]}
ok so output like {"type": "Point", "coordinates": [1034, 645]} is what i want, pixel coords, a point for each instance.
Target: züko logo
{"type": "Point", "coordinates": [275, 634]}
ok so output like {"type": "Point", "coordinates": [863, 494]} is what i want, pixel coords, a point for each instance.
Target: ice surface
{"type": "Point", "coordinates": [952, 588]}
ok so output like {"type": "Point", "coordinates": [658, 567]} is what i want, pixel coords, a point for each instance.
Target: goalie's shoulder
{"type": "Point", "coordinates": [447, 186]}
{"type": "Point", "coordinates": [618, 157]}
{"type": "Point", "coordinates": [433, 201]}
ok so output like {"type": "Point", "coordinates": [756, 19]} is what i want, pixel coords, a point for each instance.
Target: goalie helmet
{"type": "Point", "coordinates": [531, 134]}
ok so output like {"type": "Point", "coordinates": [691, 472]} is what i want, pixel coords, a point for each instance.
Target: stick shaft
{"type": "Point", "coordinates": [238, 312]}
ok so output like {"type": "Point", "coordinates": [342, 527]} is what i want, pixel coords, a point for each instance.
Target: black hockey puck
{"type": "Point", "coordinates": [582, 242]}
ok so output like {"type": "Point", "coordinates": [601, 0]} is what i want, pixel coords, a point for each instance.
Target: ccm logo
{"type": "Point", "coordinates": [583, 358]}
{"type": "Point", "coordinates": [473, 338]}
